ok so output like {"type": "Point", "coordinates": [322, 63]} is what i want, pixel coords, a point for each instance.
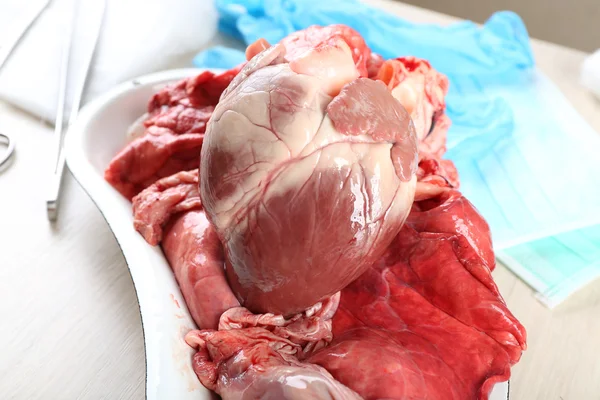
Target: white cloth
{"type": "Point", "coordinates": [590, 73]}
{"type": "Point", "coordinates": [137, 37]}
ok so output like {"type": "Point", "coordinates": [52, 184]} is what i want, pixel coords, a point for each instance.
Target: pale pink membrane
{"type": "Point", "coordinates": [422, 90]}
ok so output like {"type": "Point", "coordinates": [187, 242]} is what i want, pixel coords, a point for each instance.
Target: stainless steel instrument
{"type": "Point", "coordinates": [96, 8]}
{"type": "Point", "coordinates": [5, 156]}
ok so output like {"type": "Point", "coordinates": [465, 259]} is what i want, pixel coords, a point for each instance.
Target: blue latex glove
{"type": "Point", "coordinates": [459, 51]}
{"type": "Point", "coordinates": [526, 158]}
{"type": "Point", "coordinates": [219, 57]}
{"type": "Point", "coordinates": [461, 48]}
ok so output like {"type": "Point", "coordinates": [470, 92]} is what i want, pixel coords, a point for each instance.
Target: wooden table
{"type": "Point", "coordinates": [70, 322]}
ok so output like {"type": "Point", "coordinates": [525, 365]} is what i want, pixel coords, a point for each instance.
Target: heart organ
{"type": "Point", "coordinates": [307, 173]}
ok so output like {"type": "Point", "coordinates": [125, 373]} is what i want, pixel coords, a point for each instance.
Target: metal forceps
{"type": "Point", "coordinates": [97, 10]}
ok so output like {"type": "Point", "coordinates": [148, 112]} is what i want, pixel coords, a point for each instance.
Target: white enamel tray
{"type": "Point", "coordinates": [90, 144]}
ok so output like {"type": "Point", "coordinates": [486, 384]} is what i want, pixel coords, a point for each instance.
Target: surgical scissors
{"type": "Point", "coordinates": [5, 156]}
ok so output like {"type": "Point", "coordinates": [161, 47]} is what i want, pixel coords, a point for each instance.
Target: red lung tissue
{"type": "Point", "coordinates": [317, 235]}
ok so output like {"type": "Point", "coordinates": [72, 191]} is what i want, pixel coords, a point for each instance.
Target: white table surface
{"type": "Point", "coordinates": [70, 324]}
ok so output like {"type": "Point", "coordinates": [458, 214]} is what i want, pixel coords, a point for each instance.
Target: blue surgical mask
{"type": "Point", "coordinates": [526, 159]}
{"type": "Point", "coordinates": [539, 190]}
{"type": "Point", "coordinates": [557, 266]}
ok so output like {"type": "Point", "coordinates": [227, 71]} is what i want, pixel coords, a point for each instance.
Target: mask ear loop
{"type": "Point", "coordinates": [5, 156]}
